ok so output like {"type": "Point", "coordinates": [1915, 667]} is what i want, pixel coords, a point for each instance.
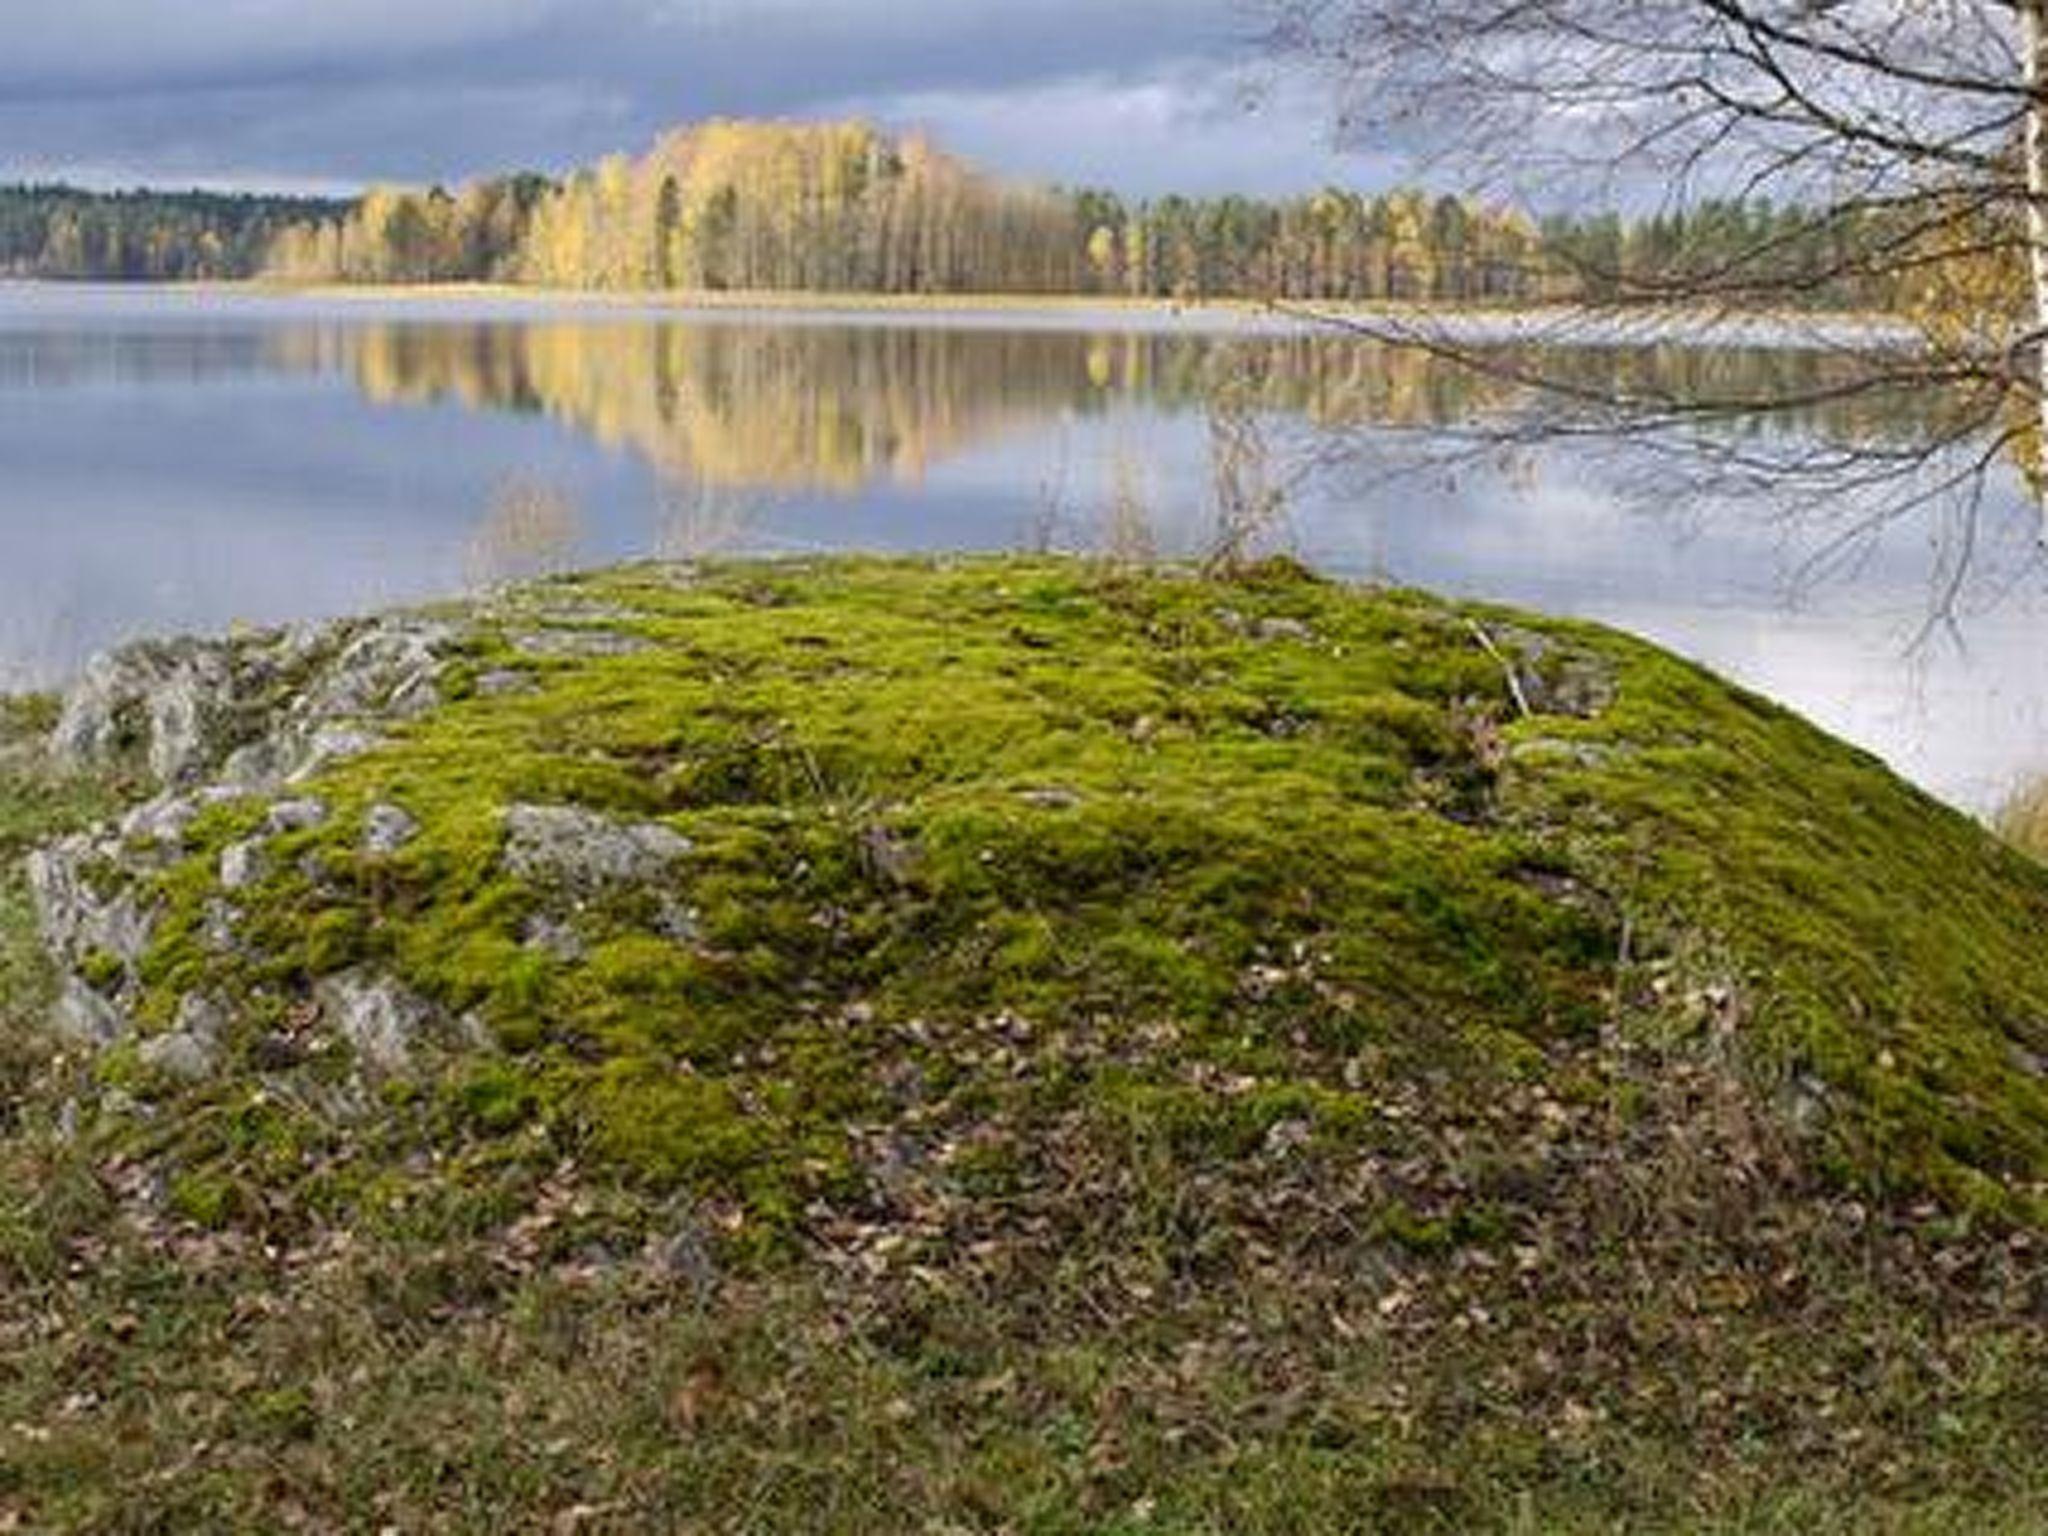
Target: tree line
{"type": "Point", "coordinates": [843, 207]}
{"type": "Point", "coordinates": [67, 233]}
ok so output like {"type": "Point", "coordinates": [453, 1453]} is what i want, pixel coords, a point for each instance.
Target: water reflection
{"type": "Point", "coordinates": [811, 407]}
{"type": "Point", "coordinates": [172, 463]}
{"type": "Point", "coordinates": [530, 529]}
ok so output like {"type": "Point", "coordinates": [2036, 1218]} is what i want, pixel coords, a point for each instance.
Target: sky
{"type": "Point", "coordinates": [1143, 96]}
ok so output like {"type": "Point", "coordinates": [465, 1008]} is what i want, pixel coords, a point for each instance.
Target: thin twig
{"type": "Point", "coordinates": [1514, 680]}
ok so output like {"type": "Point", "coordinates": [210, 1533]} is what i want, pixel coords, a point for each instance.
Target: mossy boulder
{"type": "Point", "coordinates": [817, 893]}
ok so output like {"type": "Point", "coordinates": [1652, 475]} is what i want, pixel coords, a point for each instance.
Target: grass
{"type": "Point", "coordinates": [1124, 1052]}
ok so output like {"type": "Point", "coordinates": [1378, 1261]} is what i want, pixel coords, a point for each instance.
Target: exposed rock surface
{"type": "Point", "coordinates": [214, 722]}
{"type": "Point", "coordinates": [86, 1018]}
{"type": "Point", "coordinates": [178, 1054]}
{"type": "Point", "coordinates": [377, 1016]}
{"type": "Point", "coordinates": [80, 917]}
{"type": "Point", "coordinates": [388, 829]}
{"type": "Point", "coordinates": [165, 698]}
{"type": "Point", "coordinates": [562, 847]}
{"type": "Point", "coordinates": [254, 711]}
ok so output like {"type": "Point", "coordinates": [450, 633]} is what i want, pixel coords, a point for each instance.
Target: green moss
{"type": "Point", "coordinates": [1291, 824]}
{"type": "Point", "coordinates": [102, 971]}
{"type": "Point", "coordinates": [1108, 1062]}
{"type": "Point", "coordinates": [1427, 1236]}
{"type": "Point", "coordinates": [207, 1200]}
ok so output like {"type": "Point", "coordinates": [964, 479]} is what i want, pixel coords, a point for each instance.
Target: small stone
{"type": "Point", "coordinates": [378, 1017]}
{"type": "Point", "coordinates": [259, 765]}
{"type": "Point", "coordinates": [387, 829]}
{"type": "Point", "coordinates": [561, 845]}
{"type": "Point", "coordinates": [178, 1055]}
{"type": "Point", "coordinates": [581, 644]}
{"type": "Point", "coordinates": [219, 929]}
{"type": "Point", "coordinates": [163, 820]}
{"type": "Point", "coordinates": [85, 1018]}
{"type": "Point", "coordinates": [201, 1017]}
{"type": "Point", "coordinates": [473, 1032]}
{"type": "Point", "coordinates": [497, 684]}
{"type": "Point", "coordinates": [242, 865]}
{"type": "Point", "coordinates": [297, 815]}
{"type": "Point", "coordinates": [1050, 799]}
{"type": "Point", "coordinates": [417, 695]}
{"type": "Point", "coordinates": [1284, 629]}
{"type": "Point", "coordinates": [890, 858]}
{"type": "Point", "coordinates": [550, 936]}
{"type": "Point", "coordinates": [1287, 1136]}
{"type": "Point", "coordinates": [674, 920]}
{"type": "Point", "coordinates": [329, 745]}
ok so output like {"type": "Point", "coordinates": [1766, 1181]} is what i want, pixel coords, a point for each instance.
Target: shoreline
{"type": "Point", "coordinates": [1478, 324]}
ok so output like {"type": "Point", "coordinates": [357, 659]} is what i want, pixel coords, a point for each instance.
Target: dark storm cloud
{"type": "Point", "coordinates": [1144, 94]}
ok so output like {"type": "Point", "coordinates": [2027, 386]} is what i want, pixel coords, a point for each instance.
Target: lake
{"type": "Point", "coordinates": [174, 461]}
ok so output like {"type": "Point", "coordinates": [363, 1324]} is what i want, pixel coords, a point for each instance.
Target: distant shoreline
{"type": "Point", "coordinates": [1456, 324]}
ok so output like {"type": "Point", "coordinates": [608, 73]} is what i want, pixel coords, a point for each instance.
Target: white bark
{"type": "Point", "coordinates": [2033, 17]}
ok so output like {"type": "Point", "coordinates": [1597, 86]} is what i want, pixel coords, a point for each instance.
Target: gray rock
{"type": "Point", "coordinates": [164, 820]}
{"type": "Point", "coordinates": [674, 920]}
{"type": "Point", "coordinates": [887, 856]}
{"type": "Point", "coordinates": [242, 865]}
{"type": "Point", "coordinates": [387, 829]}
{"type": "Point", "coordinates": [221, 920]}
{"type": "Point", "coordinates": [326, 745]}
{"type": "Point", "coordinates": [388, 670]}
{"type": "Point", "coordinates": [1555, 678]}
{"type": "Point", "coordinates": [189, 705]}
{"type": "Point", "coordinates": [553, 937]}
{"type": "Point", "coordinates": [184, 1057]}
{"type": "Point", "coordinates": [496, 684]}
{"type": "Point", "coordinates": [85, 1018]}
{"type": "Point", "coordinates": [183, 712]}
{"type": "Point", "coordinates": [1050, 799]}
{"type": "Point", "coordinates": [473, 1032]}
{"type": "Point", "coordinates": [165, 699]}
{"type": "Point", "coordinates": [378, 1017]}
{"type": "Point", "coordinates": [75, 918]}
{"type": "Point", "coordinates": [297, 815]}
{"type": "Point", "coordinates": [581, 644]}
{"type": "Point", "coordinates": [565, 847]}
{"type": "Point", "coordinates": [258, 765]}
{"type": "Point", "coordinates": [297, 645]}
{"type": "Point", "coordinates": [201, 1017]}
{"type": "Point", "coordinates": [1284, 629]}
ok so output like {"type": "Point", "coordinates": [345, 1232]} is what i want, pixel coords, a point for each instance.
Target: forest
{"type": "Point", "coordinates": [143, 236]}
{"type": "Point", "coordinates": [844, 207]}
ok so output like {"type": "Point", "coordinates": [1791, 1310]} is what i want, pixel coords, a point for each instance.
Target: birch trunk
{"type": "Point", "coordinates": [2033, 16]}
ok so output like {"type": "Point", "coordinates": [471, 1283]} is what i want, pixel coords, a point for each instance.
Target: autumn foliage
{"type": "Point", "coordinates": [843, 207]}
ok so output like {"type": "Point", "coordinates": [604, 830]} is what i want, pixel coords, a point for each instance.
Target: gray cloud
{"type": "Point", "coordinates": [1139, 94]}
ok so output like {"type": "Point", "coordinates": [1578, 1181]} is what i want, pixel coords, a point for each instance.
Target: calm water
{"type": "Point", "coordinates": [175, 461]}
